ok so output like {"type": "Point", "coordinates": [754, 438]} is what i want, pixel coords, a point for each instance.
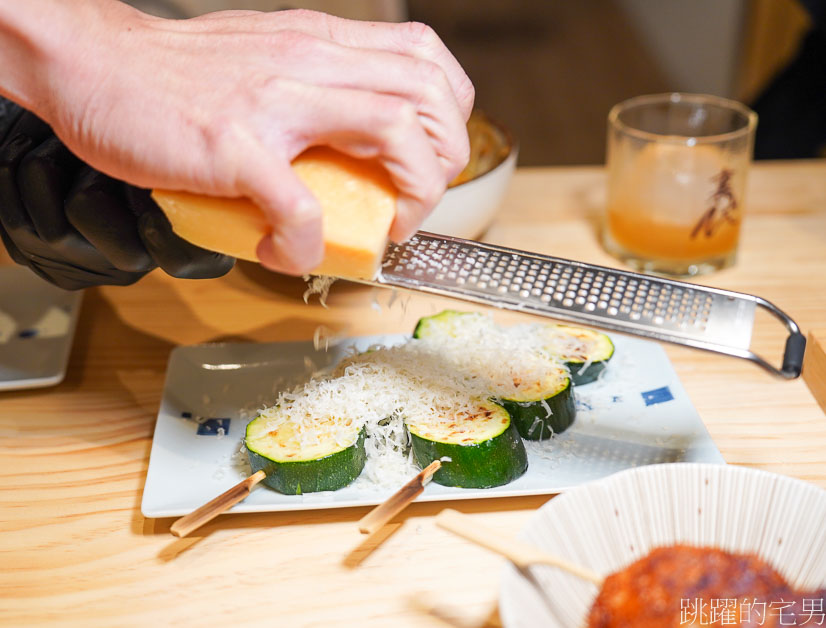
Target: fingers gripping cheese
{"type": "Point", "coordinates": [358, 203]}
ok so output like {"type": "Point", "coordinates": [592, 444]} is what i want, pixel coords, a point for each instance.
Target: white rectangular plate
{"type": "Point", "coordinates": [639, 414]}
{"type": "Point", "coordinates": [37, 326]}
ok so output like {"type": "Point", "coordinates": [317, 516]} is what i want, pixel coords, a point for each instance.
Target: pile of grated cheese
{"type": "Point", "coordinates": [438, 379]}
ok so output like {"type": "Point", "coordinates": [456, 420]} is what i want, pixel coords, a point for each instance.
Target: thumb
{"type": "Point", "coordinates": [295, 245]}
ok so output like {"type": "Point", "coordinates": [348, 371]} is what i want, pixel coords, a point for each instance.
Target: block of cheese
{"type": "Point", "coordinates": [357, 198]}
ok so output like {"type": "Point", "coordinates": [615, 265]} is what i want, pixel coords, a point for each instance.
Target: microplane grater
{"type": "Point", "coordinates": [653, 307]}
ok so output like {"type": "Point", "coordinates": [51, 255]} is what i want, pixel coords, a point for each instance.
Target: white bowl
{"type": "Point", "coordinates": [468, 208]}
{"type": "Point", "coordinates": [609, 524]}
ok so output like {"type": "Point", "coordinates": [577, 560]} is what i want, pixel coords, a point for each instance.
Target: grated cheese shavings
{"type": "Point", "coordinates": [435, 380]}
{"type": "Point", "coordinates": [320, 285]}
{"type": "Point", "coordinates": [323, 336]}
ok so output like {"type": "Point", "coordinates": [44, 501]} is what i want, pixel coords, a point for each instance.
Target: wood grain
{"type": "Point", "coordinates": [75, 549]}
{"type": "Point", "coordinates": [187, 524]}
{"type": "Point", "coordinates": [814, 365]}
{"type": "Point", "coordinates": [521, 554]}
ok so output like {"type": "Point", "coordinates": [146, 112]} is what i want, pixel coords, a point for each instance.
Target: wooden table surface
{"type": "Point", "coordinates": [75, 549]}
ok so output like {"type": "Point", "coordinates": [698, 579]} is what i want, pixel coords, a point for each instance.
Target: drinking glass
{"type": "Point", "coordinates": [677, 166]}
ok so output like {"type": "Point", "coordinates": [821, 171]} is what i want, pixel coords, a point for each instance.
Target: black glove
{"type": "Point", "coordinates": [77, 227]}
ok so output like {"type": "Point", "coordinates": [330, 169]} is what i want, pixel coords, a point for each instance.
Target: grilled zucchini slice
{"type": "Point", "coordinates": [540, 399]}
{"type": "Point", "coordinates": [326, 458]}
{"type": "Point", "coordinates": [482, 449]}
{"type": "Point", "coordinates": [586, 352]}
{"type": "Point", "coordinates": [542, 408]}
{"type": "Point", "coordinates": [446, 322]}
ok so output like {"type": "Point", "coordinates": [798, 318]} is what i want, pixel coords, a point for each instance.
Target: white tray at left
{"type": "Point", "coordinates": [37, 326]}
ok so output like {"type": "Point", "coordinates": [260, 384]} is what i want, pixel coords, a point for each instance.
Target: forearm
{"type": "Point", "coordinates": [44, 43]}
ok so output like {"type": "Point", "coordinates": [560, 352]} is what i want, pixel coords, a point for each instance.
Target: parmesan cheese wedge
{"type": "Point", "coordinates": [358, 203]}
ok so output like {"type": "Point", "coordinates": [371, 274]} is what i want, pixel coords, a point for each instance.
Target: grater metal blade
{"type": "Point", "coordinates": [653, 307]}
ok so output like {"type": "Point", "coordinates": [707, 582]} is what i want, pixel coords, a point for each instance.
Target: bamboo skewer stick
{"type": "Point", "coordinates": [519, 553]}
{"type": "Point", "coordinates": [397, 502]}
{"type": "Point", "coordinates": [210, 510]}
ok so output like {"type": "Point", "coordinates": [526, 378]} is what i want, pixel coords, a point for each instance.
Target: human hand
{"type": "Point", "coordinates": [76, 227]}
{"type": "Point", "coordinates": [222, 104]}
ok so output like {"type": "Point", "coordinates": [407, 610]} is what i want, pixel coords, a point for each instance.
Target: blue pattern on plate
{"type": "Point", "coordinates": [658, 395]}
{"type": "Point", "coordinates": [210, 427]}
{"type": "Point", "coordinates": [27, 333]}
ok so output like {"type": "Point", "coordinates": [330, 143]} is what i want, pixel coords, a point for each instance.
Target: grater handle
{"type": "Point", "coordinates": [795, 344]}
{"type": "Point", "coordinates": [793, 355]}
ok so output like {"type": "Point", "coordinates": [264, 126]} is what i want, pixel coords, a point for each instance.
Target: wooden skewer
{"type": "Point", "coordinates": [210, 510]}
{"type": "Point", "coordinates": [397, 502]}
{"type": "Point", "coordinates": [519, 553]}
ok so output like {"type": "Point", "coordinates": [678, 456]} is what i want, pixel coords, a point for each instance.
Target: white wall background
{"type": "Point", "coordinates": [696, 42]}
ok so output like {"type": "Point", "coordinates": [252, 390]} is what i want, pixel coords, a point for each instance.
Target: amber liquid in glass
{"type": "Point", "coordinates": [672, 207]}
{"type": "Point", "coordinates": [634, 230]}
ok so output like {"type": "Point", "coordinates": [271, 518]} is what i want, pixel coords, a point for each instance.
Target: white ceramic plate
{"type": "Point", "coordinates": [467, 210]}
{"type": "Point", "coordinates": [37, 326]}
{"type": "Point", "coordinates": [606, 525]}
{"type": "Point", "coordinates": [639, 415]}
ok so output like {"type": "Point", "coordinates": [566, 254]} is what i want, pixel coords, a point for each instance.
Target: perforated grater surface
{"type": "Point", "coordinates": [663, 309]}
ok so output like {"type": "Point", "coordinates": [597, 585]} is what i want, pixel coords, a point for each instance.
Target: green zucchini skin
{"type": "Point", "coordinates": [492, 462]}
{"type": "Point", "coordinates": [531, 417]}
{"type": "Point", "coordinates": [329, 473]}
{"type": "Point", "coordinates": [590, 375]}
